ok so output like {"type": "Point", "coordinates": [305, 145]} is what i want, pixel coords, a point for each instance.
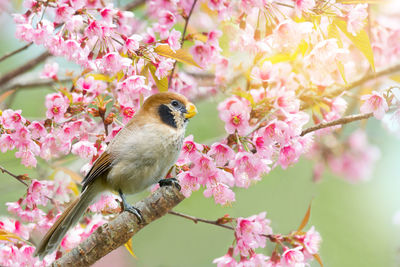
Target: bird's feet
{"type": "Point", "coordinates": [130, 208]}
{"type": "Point", "coordinates": [170, 182]}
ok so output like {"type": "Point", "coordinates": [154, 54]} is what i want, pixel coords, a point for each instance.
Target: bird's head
{"type": "Point", "coordinates": [172, 109]}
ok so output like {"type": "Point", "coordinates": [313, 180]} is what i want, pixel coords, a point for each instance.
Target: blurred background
{"type": "Point", "coordinates": [354, 220]}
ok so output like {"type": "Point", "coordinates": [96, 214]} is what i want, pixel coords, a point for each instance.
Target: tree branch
{"type": "Point", "coordinates": [112, 235]}
{"type": "Point", "coordinates": [32, 84]}
{"type": "Point", "coordinates": [10, 54]}
{"type": "Point", "coordinates": [18, 177]}
{"type": "Point", "coordinates": [340, 121]}
{"type": "Point", "coordinates": [182, 39]}
{"type": "Point", "coordinates": [24, 68]}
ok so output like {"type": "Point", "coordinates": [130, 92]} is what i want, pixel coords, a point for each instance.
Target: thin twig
{"type": "Point", "coordinates": [196, 220]}
{"type": "Point", "coordinates": [3, 170]}
{"type": "Point", "coordinates": [340, 121]}
{"type": "Point", "coordinates": [10, 54]}
{"type": "Point", "coordinates": [24, 68]}
{"type": "Point", "coordinates": [272, 238]}
{"type": "Point", "coordinates": [33, 84]}
{"type": "Point", "coordinates": [182, 38]}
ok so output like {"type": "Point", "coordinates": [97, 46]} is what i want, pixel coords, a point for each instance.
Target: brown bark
{"type": "Point", "coordinates": [117, 232]}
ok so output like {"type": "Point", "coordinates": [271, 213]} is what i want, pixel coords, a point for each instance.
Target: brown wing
{"type": "Point", "coordinates": [100, 166]}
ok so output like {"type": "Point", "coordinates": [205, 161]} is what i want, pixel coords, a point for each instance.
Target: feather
{"type": "Point", "coordinates": [99, 168]}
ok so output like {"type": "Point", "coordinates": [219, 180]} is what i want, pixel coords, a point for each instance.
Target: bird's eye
{"type": "Point", "coordinates": [175, 103]}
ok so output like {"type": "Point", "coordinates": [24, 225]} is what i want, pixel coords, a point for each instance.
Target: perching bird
{"type": "Point", "coordinates": [140, 155]}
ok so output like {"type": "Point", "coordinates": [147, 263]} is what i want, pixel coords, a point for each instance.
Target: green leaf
{"type": "Point", "coordinates": [100, 77]}
{"type": "Point", "coordinates": [361, 41]}
{"type": "Point", "coordinates": [179, 55]}
{"type": "Point", "coordinates": [305, 219]}
{"type": "Point", "coordinates": [245, 95]}
{"type": "Point", "coordinates": [318, 258]}
{"type": "Point", "coordinates": [162, 84]}
{"type": "Point", "coordinates": [128, 246]}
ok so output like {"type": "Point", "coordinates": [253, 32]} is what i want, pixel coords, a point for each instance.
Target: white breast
{"type": "Point", "coordinates": [145, 156]}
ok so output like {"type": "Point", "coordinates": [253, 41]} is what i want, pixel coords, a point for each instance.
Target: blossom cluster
{"type": "Point", "coordinates": [295, 249]}
{"type": "Point", "coordinates": [281, 64]}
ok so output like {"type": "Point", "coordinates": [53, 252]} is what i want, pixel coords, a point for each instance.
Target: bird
{"type": "Point", "coordinates": [141, 154]}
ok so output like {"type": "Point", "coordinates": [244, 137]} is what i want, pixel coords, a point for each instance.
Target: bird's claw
{"type": "Point", "coordinates": [134, 211]}
{"type": "Point", "coordinates": [170, 182]}
{"type": "Point", "coordinates": [130, 208]}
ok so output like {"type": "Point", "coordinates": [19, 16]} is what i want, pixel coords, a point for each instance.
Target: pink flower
{"type": "Point", "coordinates": [27, 158]}
{"type": "Point", "coordinates": [56, 105]}
{"type": "Point", "coordinates": [236, 118]}
{"type": "Point", "coordinates": [303, 6]}
{"type": "Point", "coordinates": [15, 227]}
{"type": "Point", "coordinates": [174, 39]}
{"type": "Point", "coordinates": [203, 168]}
{"type": "Point", "coordinates": [38, 193]}
{"type": "Point", "coordinates": [106, 202]}
{"type": "Point", "coordinates": [321, 62]}
{"type": "Point", "coordinates": [164, 67]}
{"type": "Point", "coordinates": [84, 149]}
{"type": "Point", "coordinates": [26, 215]}
{"type": "Point", "coordinates": [227, 260]}
{"type": "Point", "coordinates": [188, 183]}
{"type": "Point", "coordinates": [37, 130]}
{"type": "Point", "coordinates": [190, 150]}
{"type": "Point", "coordinates": [221, 193]}
{"type": "Point", "coordinates": [167, 18]}
{"type": "Point", "coordinates": [311, 241]}
{"type": "Point", "coordinates": [202, 53]}
{"type": "Point", "coordinates": [293, 257]}
{"type": "Point", "coordinates": [375, 103]}
{"type": "Point", "coordinates": [221, 153]}
{"type": "Point", "coordinates": [129, 90]}
{"type": "Point", "coordinates": [12, 119]}
{"type": "Point", "coordinates": [289, 154]}
{"type": "Point", "coordinates": [127, 113]}
{"type": "Point", "coordinates": [248, 167]}
{"type": "Point", "coordinates": [50, 71]}
{"type": "Point", "coordinates": [6, 143]}
{"type": "Point", "coordinates": [249, 233]}
{"type": "Point", "coordinates": [356, 18]}
{"type": "Point", "coordinates": [132, 43]}
{"type": "Point", "coordinates": [113, 63]}
{"type": "Point", "coordinates": [63, 13]}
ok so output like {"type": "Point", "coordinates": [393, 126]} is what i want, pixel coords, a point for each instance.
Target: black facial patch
{"type": "Point", "coordinates": [166, 116]}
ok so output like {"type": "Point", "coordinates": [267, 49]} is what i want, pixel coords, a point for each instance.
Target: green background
{"type": "Point", "coordinates": [355, 221]}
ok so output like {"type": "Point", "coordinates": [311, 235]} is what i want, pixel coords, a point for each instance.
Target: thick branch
{"type": "Point", "coordinates": [24, 68]}
{"type": "Point", "coordinates": [340, 121]}
{"type": "Point", "coordinates": [10, 54]}
{"type": "Point", "coordinates": [114, 234]}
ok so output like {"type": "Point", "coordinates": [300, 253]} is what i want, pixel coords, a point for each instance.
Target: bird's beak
{"type": "Point", "coordinates": [191, 111]}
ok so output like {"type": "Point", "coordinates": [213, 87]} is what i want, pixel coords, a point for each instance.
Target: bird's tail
{"type": "Point", "coordinates": [68, 218]}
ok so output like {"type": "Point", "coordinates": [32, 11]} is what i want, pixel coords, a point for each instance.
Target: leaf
{"type": "Point", "coordinates": [162, 84]}
{"type": "Point", "coordinates": [128, 246]}
{"type": "Point", "coordinates": [245, 95]}
{"type": "Point", "coordinates": [100, 77]}
{"type": "Point", "coordinates": [318, 258]}
{"type": "Point", "coordinates": [361, 41]}
{"type": "Point", "coordinates": [179, 55]}
{"type": "Point", "coordinates": [340, 67]}
{"type": "Point", "coordinates": [5, 235]}
{"type": "Point", "coordinates": [305, 219]}
{"type": "Point", "coordinates": [5, 95]}
{"type": "Point", "coordinates": [395, 78]}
